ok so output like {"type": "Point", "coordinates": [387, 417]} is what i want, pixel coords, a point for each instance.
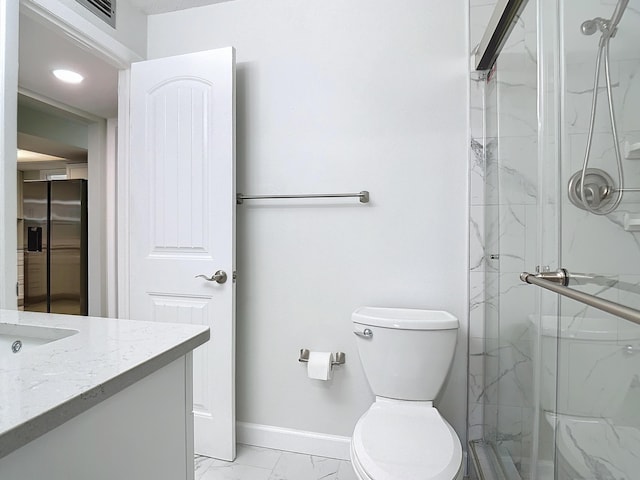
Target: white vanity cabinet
{"type": "Point", "coordinates": [114, 401]}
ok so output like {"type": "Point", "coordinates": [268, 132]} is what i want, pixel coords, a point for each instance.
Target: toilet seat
{"type": "Point", "coordinates": [400, 440]}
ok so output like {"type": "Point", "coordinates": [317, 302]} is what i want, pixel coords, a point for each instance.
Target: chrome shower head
{"type": "Point", "coordinates": [607, 27]}
{"type": "Point", "coordinates": [589, 27]}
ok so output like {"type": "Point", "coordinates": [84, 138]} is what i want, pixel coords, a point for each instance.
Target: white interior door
{"type": "Point", "coordinates": [182, 220]}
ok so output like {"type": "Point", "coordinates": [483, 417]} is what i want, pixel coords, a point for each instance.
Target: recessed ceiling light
{"type": "Point", "coordinates": [68, 76]}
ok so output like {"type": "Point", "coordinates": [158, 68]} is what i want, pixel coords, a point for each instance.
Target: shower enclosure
{"type": "Point", "coordinates": [554, 383]}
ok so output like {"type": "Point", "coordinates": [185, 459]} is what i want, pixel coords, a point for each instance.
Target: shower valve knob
{"type": "Point", "coordinates": [598, 189]}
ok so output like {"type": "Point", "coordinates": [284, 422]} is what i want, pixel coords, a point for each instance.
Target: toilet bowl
{"type": "Point", "coordinates": [406, 355]}
{"type": "Point", "coordinates": [397, 439]}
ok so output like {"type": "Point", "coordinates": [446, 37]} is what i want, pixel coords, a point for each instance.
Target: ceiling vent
{"type": "Point", "coordinates": [103, 9]}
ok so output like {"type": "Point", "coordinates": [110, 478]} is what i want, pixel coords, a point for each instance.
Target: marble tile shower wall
{"type": "Point", "coordinates": [483, 107]}
{"type": "Point", "coordinates": [517, 237]}
{"type": "Point", "coordinates": [593, 243]}
{"type": "Point", "coordinates": [481, 148]}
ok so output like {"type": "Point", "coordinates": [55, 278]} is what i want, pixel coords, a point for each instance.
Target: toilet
{"type": "Point", "coordinates": [406, 355]}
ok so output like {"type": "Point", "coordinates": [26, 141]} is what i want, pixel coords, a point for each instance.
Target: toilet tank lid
{"type": "Point", "coordinates": [405, 318]}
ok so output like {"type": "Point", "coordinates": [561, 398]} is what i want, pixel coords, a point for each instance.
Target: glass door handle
{"type": "Point", "coordinates": [560, 276]}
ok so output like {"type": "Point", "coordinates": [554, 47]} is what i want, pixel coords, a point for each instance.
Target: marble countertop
{"type": "Point", "coordinates": [44, 386]}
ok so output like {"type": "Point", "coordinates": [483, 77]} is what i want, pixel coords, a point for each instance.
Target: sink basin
{"type": "Point", "coordinates": [16, 338]}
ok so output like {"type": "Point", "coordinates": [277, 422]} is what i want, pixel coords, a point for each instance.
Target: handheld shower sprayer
{"type": "Point", "coordinates": [592, 189]}
{"type": "Point", "coordinates": [607, 27]}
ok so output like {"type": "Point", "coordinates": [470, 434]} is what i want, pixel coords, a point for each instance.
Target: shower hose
{"type": "Point", "coordinates": [603, 51]}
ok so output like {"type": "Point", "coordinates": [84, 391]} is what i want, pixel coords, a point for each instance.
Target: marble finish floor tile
{"type": "Point", "coordinates": [256, 463]}
{"type": "Point", "coordinates": [257, 457]}
{"type": "Point", "coordinates": [202, 464]}
{"type": "Point", "coordinates": [293, 466]}
{"type": "Point", "coordinates": [235, 471]}
{"type": "Point", "coordinates": [345, 471]}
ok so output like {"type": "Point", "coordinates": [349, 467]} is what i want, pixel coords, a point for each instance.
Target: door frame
{"type": "Point", "coordinates": [58, 15]}
{"type": "Point", "coordinates": [124, 198]}
{"type": "Point", "coordinates": [102, 144]}
{"type": "Point", "coordinates": [9, 15]}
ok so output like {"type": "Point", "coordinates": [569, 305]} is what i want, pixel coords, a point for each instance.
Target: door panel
{"type": "Point", "coordinates": [182, 220]}
{"type": "Point", "coordinates": [179, 190]}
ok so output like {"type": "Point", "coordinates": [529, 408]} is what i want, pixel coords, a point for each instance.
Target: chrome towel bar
{"type": "Point", "coordinates": [608, 306]}
{"type": "Point", "coordinates": [363, 196]}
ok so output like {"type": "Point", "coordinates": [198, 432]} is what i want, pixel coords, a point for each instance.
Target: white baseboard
{"type": "Point", "coordinates": [290, 440]}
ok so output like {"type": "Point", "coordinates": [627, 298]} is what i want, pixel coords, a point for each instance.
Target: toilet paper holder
{"type": "Point", "coordinates": [338, 357]}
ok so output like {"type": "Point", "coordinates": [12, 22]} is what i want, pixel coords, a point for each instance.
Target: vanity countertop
{"type": "Point", "coordinates": [42, 387]}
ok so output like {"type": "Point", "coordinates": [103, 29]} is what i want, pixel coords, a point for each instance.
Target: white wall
{"type": "Point", "coordinates": [131, 24]}
{"type": "Point", "coordinates": [52, 127]}
{"type": "Point", "coordinates": [340, 96]}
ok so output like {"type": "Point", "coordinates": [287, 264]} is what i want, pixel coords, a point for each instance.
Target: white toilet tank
{"type": "Point", "coordinates": [406, 353]}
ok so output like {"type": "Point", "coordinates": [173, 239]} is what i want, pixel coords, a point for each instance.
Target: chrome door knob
{"type": "Point", "coordinates": [219, 277]}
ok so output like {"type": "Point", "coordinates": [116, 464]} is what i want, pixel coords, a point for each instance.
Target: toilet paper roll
{"type": "Point", "coordinates": [319, 365]}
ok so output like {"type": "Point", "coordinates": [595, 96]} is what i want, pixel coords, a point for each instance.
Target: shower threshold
{"type": "Point", "coordinates": [491, 462]}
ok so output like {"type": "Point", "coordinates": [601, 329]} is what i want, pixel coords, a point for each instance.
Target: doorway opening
{"type": "Point", "coordinates": [52, 176]}
{"type": "Point", "coordinates": [74, 127]}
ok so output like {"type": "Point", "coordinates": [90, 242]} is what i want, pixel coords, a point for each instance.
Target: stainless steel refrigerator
{"type": "Point", "coordinates": [55, 246]}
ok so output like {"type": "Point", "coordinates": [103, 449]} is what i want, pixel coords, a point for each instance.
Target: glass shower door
{"type": "Point", "coordinates": [511, 243]}
{"type": "Point", "coordinates": [597, 419]}
{"type": "Point", "coordinates": [560, 380]}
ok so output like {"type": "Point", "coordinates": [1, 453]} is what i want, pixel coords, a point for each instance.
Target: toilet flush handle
{"type": "Point", "coordinates": [366, 333]}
